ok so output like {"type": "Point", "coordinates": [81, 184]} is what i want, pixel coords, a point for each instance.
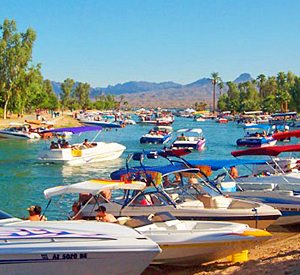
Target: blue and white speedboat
{"type": "Point", "coordinates": [158, 135]}
{"type": "Point", "coordinates": [257, 136]}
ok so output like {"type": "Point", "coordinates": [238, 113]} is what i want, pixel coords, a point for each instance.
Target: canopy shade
{"type": "Point", "coordinates": [267, 151]}
{"type": "Point", "coordinates": [194, 130]}
{"type": "Point", "coordinates": [163, 170]}
{"type": "Point", "coordinates": [75, 130]}
{"type": "Point", "coordinates": [289, 134]}
{"type": "Point", "coordinates": [93, 187]}
{"type": "Point", "coordinates": [225, 163]}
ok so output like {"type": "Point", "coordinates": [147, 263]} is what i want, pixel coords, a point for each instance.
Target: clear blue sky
{"type": "Point", "coordinates": [107, 42]}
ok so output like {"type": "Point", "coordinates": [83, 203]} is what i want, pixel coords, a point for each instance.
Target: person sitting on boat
{"type": "Point", "coordinates": [103, 216]}
{"type": "Point", "coordinates": [53, 145]}
{"type": "Point", "coordinates": [76, 208]}
{"type": "Point", "coordinates": [66, 145]}
{"type": "Point", "coordinates": [177, 179]}
{"type": "Point", "coordinates": [166, 182]}
{"type": "Point", "coordinates": [234, 172]}
{"type": "Point", "coordinates": [193, 180]}
{"type": "Point", "coordinates": [182, 137]}
{"type": "Point", "coordinates": [35, 213]}
{"type": "Point", "coordinates": [105, 195]}
{"type": "Point", "coordinates": [86, 143]}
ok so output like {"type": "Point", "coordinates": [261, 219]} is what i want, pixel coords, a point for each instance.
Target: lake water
{"type": "Point", "coordinates": [23, 178]}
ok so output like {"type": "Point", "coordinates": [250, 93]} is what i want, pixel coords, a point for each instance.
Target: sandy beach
{"type": "Point", "coordinates": [280, 255]}
{"type": "Point", "coordinates": [65, 120]}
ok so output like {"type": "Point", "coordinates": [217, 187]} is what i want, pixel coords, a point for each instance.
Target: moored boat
{"type": "Point", "coordinates": [257, 136]}
{"type": "Point", "coordinates": [158, 135]}
{"type": "Point", "coordinates": [79, 153]}
{"type": "Point", "coordinates": [71, 247]}
{"type": "Point", "coordinates": [18, 131]}
{"type": "Point", "coordinates": [182, 242]}
{"type": "Point", "coordinates": [192, 139]}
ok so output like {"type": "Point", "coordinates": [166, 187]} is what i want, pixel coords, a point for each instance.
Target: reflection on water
{"type": "Point", "coordinates": [93, 170]}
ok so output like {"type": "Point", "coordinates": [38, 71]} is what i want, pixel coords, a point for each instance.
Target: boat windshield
{"type": "Point", "coordinates": [151, 197]}
{"type": "Point", "coordinates": [4, 215]}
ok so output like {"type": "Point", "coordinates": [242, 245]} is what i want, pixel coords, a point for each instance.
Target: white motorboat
{"type": "Point", "coordinates": [194, 139]}
{"type": "Point", "coordinates": [259, 135]}
{"type": "Point", "coordinates": [195, 242]}
{"type": "Point", "coordinates": [183, 203]}
{"type": "Point", "coordinates": [158, 135]}
{"type": "Point", "coordinates": [18, 131]}
{"type": "Point", "coordinates": [79, 153]}
{"type": "Point", "coordinates": [185, 193]}
{"type": "Point", "coordinates": [72, 247]}
{"type": "Point", "coordinates": [182, 242]}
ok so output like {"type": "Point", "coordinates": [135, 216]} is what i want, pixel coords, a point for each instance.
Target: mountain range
{"type": "Point", "coordinates": [163, 94]}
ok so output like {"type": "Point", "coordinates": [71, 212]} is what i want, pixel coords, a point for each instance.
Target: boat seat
{"type": "Point", "coordinates": [192, 203]}
{"type": "Point", "coordinates": [221, 202]}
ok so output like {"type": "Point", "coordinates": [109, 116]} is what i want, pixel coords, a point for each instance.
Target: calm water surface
{"type": "Point", "coordinates": [23, 178]}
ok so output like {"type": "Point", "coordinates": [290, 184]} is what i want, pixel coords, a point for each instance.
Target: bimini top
{"type": "Point", "coordinates": [162, 170]}
{"type": "Point", "coordinates": [284, 135]}
{"type": "Point", "coordinates": [258, 127]}
{"type": "Point", "coordinates": [75, 130]}
{"type": "Point", "coordinates": [216, 164]}
{"type": "Point", "coordinates": [267, 151]}
{"type": "Point", "coordinates": [193, 130]}
{"type": "Point", "coordinates": [93, 187]}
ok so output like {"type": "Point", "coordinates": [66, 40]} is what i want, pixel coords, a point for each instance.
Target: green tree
{"type": "Point", "coordinates": [295, 94]}
{"type": "Point", "coordinates": [261, 80]}
{"type": "Point", "coordinates": [15, 55]}
{"type": "Point", "coordinates": [82, 95]}
{"type": "Point", "coordinates": [223, 102]}
{"type": "Point", "coordinates": [65, 96]}
{"type": "Point", "coordinates": [233, 97]}
{"type": "Point", "coordinates": [283, 94]}
{"type": "Point", "coordinates": [52, 100]}
{"type": "Point", "coordinates": [221, 87]}
{"type": "Point", "coordinates": [215, 80]}
{"type": "Point", "coordinates": [249, 97]}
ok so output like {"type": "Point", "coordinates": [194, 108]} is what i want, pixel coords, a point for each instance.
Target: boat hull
{"type": "Point", "coordinates": [101, 152]}
{"type": "Point", "coordinates": [16, 135]}
{"type": "Point", "coordinates": [155, 139]}
{"type": "Point", "coordinates": [255, 142]}
{"type": "Point", "coordinates": [107, 262]}
{"type": "Point", "coordinates": [72, 247]}
{"type": "Point", "coordinates": [197, 253]}
{"type": "Point", "coordinates": [198, 145]}
{"type": "Point", "coordinates": [261, 218]}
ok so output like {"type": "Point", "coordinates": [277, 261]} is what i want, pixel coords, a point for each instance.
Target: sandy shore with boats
{"type": "Point", "coordinates": [65, 120]}
{"type": "Point", "coordinates": [280, 255]}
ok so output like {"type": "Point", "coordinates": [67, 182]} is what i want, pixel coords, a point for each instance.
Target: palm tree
{"type": "Point", "coordinates": [215, 80]}
{"type": "Point", "coordinates": [261, 79]}
{"type": "Point", "coordinates": [221, 86]}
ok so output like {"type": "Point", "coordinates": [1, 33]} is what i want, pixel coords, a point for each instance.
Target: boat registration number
{"type": "Point", "coordinates": [64, 256]}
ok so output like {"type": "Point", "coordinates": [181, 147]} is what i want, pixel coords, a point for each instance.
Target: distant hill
{"type": "Point", "coordinates": [243, 78]}
{"type": "Point", "coordinates": [164, 94]}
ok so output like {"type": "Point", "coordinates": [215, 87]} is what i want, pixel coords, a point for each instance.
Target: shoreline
{"type": "Point", "coordinates": [279, 255]}
{"type": "Point", "coordinates": [64, 120]}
